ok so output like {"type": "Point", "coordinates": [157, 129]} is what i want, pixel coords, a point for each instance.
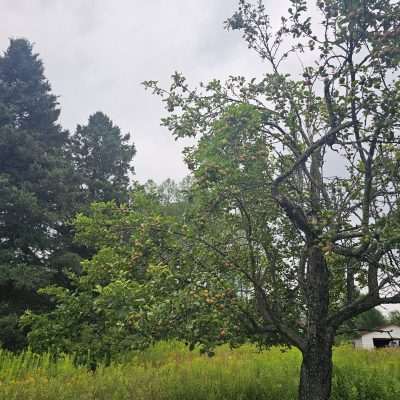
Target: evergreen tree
{"type": "Point", "coordinates": [103, 159]}
{"type": "Point", "coordinates": [370, 320]}
{"type": "Point", "coordinates": [36, 181]}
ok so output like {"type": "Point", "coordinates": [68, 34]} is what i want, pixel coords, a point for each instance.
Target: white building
{"type": "Point", "coordinates": [386, 336]}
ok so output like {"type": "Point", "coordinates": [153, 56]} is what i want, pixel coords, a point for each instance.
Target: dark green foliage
{"type": "Point", "coordinates": [103, 156]}
{"type": "Point", "coordinates": [371, 319]}
{"type": "Point", "coordinates": [33, 163]}
{"type": "Point", "coordinates": [37, 181]}
{"type": "Point", "coordinates": [45, 179]}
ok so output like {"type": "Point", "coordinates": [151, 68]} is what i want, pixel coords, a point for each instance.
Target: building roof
{"type": "Point", "coordinates": [379, 329]}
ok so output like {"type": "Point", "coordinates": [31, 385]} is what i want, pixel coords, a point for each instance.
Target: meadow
{"type": "Point", "coordinates": [168, 371]}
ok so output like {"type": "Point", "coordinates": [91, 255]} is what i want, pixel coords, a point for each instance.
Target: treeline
{"type": "Point", "coordinates": [47, 176]}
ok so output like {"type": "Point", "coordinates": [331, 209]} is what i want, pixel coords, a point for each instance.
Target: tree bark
{"type": "Point", "coordinates": [316, 371]}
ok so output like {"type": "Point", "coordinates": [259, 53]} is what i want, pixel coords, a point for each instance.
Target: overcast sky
{"type": "Point", "coordinates": [97, 52]}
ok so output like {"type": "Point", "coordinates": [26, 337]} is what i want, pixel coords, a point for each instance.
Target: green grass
{"type": "Point", "coordinates": [170, 372]}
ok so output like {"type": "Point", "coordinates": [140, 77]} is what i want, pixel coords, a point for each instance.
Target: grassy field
{"type": "Point", "coordinates": [170, 372]}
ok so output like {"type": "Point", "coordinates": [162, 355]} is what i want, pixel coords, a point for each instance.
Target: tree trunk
{"type": "Point", "coordinates": [316, 371]}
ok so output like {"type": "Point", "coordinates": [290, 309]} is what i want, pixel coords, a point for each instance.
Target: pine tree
{"type": "Point", "coordinates": [36, 181]}
{"type": "Point", "coordinates": [103, 159]}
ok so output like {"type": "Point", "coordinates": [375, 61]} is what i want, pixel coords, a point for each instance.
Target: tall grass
{"type": "Point", "coordinates": [170, 372]}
